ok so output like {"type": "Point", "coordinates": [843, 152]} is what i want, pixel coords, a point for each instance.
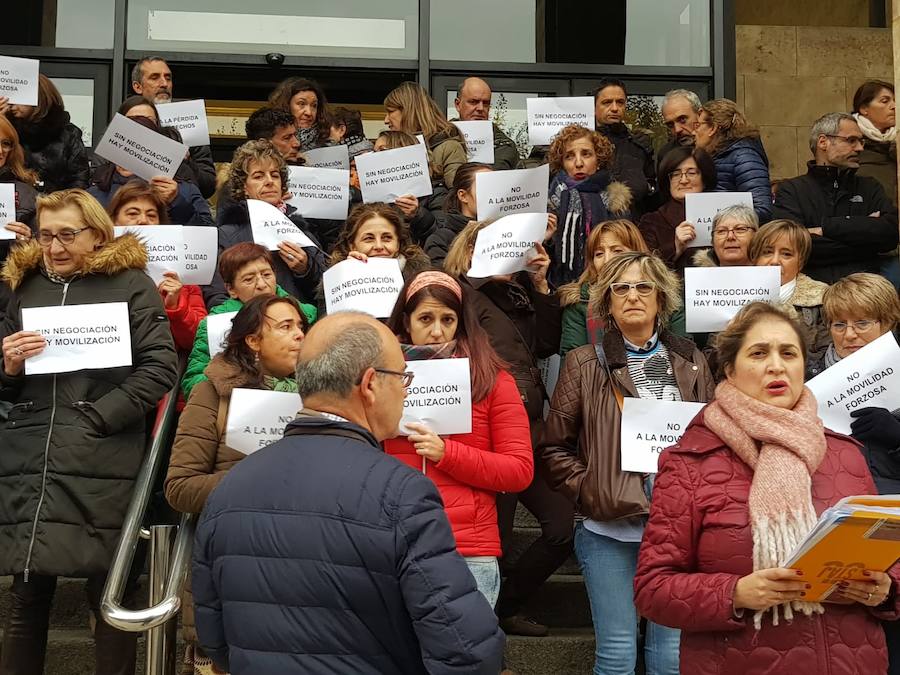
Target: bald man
{"type": "Point", "coordinates": [320, 554]}
{"type": "Point", "coordinates": [473, 102]}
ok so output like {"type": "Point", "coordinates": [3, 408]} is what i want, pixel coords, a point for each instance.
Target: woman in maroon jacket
{"type": "Point", "coordinates": [433, 320]}
{"type": "Point", "coordinates": [734, 497]}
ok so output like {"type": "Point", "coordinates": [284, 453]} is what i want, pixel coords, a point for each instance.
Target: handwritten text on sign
{"type": "Point", "coordinates": [502, 193]}
{"type": "Point", "coordinates": [319, 193]}
{"type": "Point", "coordinates": [713, 295]}
{"type": "Point", "coordinates": [648, 427]}
{"type": "Point", "coordinates": [371, 287]}
{"type": "Point", "coordinates": [548, 116]}
{"type": "Point", "coordinates": [440, 396]}
{"type": "Point", "coordinates": [217, 328]}
{"type": "Point", "coordinates": [7, 209]}
{"type": "Point", "coordinates": [386, 175]}
{"type": "Point", "coordinates": [270, 226]}
{"type": "Point", "coordinates": [701, 207]}
{"type": "Point", "coordinates": [329, 157]}
{"type": "Point", "coordinates": [257, 418]}
{"type": "Point", "coordinates": [19, 80]}
{"type": "Point", "coordinates": [870, 377]}
{"type": "Point", "coordinates": [506, 246]}
{"type": "Point", "coordinates": [189, 117]}
{"type": "Point", "coordinates": [139, 149]}
{"type": "Point", "coordinates": [479, 135]}
{"type": "Point", "coordinates": [79, 337]}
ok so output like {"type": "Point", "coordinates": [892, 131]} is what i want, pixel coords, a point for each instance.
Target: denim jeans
{"type": "Point", "coordinates": [487, 577]}
{"type": "Point", "coordinates": [608, 567]}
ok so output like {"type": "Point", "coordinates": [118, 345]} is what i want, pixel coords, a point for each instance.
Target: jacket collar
{"type": "Point", "coordinates": [614, 346]}
{"type": "Point", "coordinates": [311, 422]}
{"type": "Point", "coordinates": [808, 292]}
{"type": "Point", "coordinates": [225, 376]}
{"type": "Point", "coordinates": [828, 175]}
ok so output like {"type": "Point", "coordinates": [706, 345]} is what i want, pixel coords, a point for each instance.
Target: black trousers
{"type": "Point", "coordinates": [25, 637]}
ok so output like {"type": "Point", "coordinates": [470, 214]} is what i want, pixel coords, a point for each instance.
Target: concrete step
{"type": "Point", "coordinates": [71, 652]}
{"type": "Point", "coordinates": [564, 652]}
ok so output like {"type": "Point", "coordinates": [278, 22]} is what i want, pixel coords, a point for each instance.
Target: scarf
{"type": "Point", "coordinates": [575, 202]}
{"type": "Point", "coordinates": [787, 290]}
{"type": "Point", "coordinates": [831, 356]}
{"type": "Point", "coordinates": [783, 448]}
{"type": "Point", "coordinates": [444, 350]}
{"type": "Point", "coordinates": [288, 384]}
{"type": "Point", "coordinates": [870, 131]}
{"type": "Point", "coordinates": [309, 138]}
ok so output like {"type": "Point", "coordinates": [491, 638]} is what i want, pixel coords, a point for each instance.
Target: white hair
{"type": "Point", "coordinates": [686, 94]}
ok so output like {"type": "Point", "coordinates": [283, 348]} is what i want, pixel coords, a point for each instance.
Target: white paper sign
{"type": "Point", "coordinates": [870, 377]}
{"type": "Point", "coordinates": [217, 328]}
{"type": "Point", "coordinates": [548, 116]}
{"type": "Point", "coordinates": [7, 209]}
{"type": "Point", "coordinates": [190, 252]}
{"type": "Point", "coordinates": [439, 397]}
{"type": "Point", "coordinates": [257, 418]}
{"type": "Point", "coordinates": [386, 175]}
{"type": "Point", "coordinates": [479, 135]}
{"type": "Point", "coordinates": [371, 287]}
{"type": "Point", "coordinates": [270, 226]}
{"type": "Point", "coordinates": [713, 295]}
{"type": "Point", "coordinates": [319, 193]}
{"type": "Point", "coordinates": [201, 252]}
{"type": "Point", "coordinates": [329, 157]}
{"type": "Point", "coordinates": [501, 193]}
{"type": "Point", "coordinates": [189, 117]}
{"type": "Point", "coordinates": [506, 246]}
{"type": "Point", "coordinates": [701, 207]}
{"type": "Point", "coordinates": [139, 149]}
{"type": "Point", "coordinates": [19, 80]}
{"type": "Point", "coordinates": [96, 335]}
{"type": "Point", "coordinates": [648, 427]}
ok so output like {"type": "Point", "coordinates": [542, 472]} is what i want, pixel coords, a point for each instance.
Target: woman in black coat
{"type": "Point", "coordinates": [73, 442]}
{"type": "Point", "coordinates": [53, 145]}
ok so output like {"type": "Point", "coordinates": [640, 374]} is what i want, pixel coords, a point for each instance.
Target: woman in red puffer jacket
{"type": "Point", "coordinates": [433, 320]}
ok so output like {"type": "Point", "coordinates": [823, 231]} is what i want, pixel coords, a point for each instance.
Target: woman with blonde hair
{"type": "Point", "coordinates": [741, 161]}
{"type": "Point", "coordinates": [409, 108]}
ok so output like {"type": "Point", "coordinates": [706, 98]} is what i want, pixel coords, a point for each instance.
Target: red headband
{"type": "Point", "coordinates": [434, 279]}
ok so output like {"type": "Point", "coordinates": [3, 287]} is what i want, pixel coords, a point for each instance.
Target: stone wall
{"type": "Point", "coordinates": [787, 76]}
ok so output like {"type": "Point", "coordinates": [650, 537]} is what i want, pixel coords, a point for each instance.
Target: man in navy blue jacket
{"type": "Point", "coordinates": [320, 554]}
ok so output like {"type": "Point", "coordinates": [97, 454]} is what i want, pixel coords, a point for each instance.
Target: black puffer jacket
{"type": "Point", "coordinates": [73, 443]}
{"type": "Point", "coordinates": [633, 164]}
{"type": "Point", "coordinates": [449, 224]}
{"type": "Point", "coordinates": [53, 148]}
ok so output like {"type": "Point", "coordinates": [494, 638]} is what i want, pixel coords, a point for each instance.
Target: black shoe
{"type": "Point", "coordinates": [523, 625]}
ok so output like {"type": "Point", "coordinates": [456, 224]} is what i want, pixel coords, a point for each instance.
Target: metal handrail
{"type": "Point", "coordinates": [165, 609]}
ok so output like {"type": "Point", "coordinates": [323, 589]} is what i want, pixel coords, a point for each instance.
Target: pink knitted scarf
{"type": "Point", "coordinates": [784, 448]}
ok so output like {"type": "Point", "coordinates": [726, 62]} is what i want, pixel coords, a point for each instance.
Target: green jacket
{"type": "Point", "coordinates": [200, 357]}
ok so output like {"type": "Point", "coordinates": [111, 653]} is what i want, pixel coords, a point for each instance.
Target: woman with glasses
{"type": "Point", "coordinates": [73, 443]}
{"type": "Point", "coordinates": [433, 319]}
{"type": "Point", "coordinates": [741, 161]}
{"type": "Point", "coordinates": [682, 171]}
{"type": "Point", "coordinates": [636, 294]}
{"type": "Point", "coordinates": [732, 230]}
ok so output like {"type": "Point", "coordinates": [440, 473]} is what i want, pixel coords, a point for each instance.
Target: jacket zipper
{"type": "Point", "coordinates": [37, 512]}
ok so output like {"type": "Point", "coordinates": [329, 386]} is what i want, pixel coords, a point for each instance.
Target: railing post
{"type": "Point", "coordinates": [160, 640]}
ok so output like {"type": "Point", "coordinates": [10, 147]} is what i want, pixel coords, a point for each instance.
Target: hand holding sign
{"type": "Point", "coordinates": [21, 346]}
{"type": "Point", "coordinates": [271, 227]}
{"type": "Point", "coordinates": [507, 245]}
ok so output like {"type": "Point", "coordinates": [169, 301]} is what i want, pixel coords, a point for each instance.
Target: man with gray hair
{"type": "Point", "coordinates": [850, 217]}
{"type": "Point", "coordinates": [681, 114]}
{"type": "Point", "coordinates": [321, 554]}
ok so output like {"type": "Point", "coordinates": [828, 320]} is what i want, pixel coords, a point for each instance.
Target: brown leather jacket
{"type": "Point", "coordinates": [580, 444]}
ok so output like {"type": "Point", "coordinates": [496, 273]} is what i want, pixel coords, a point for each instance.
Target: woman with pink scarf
{"type": "Point", "coordinates": [732, 500]}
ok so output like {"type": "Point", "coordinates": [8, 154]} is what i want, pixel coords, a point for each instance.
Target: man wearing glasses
{"type": "Point", "coordinates": [850, 217]}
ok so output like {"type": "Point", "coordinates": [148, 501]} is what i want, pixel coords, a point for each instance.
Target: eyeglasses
{"type": "Point", "coordinates": [739, 231]}
{"type": "Point", "coordinates": [407, 376]}
{"type": "Point", "coordinates": [65, 237]}
{"type": "Point", "coordinates": [863, 326]}
{"type": "Point", "coordinates": [850, 140]}
{"type": "Point", "coordinates": [623, 288]}
{"type": "Point", "coordinates": [677, 175]}
{"type": "Point", "coordinates": [6, 145]}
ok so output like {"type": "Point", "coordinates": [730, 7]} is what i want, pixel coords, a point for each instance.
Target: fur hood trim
{"type": "Point", "coordinates": [572, 294]}
{"type": "Point", "coordinates": [618, 197]}
{"type": "Point", "coordinates": [704, 258]}
{"type": "Point", "coordinates": [123, 253]}
{"type": "Point", "coordinates": [226, 377]}
{"type": "Point", "coordinates": [808, 292]}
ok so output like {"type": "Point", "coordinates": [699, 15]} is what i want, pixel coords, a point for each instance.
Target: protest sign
{"type": "Point", "coordinates": [257, 418]}
{"type": "Point", "coordinates": [701, 207]}
{"type": "Point", "coordinates": [19, 80]}
{"type": "Point", "coordinates": [79, 337]}
{"type": "Point", "coordinates": [869, 377]}
{"type": "Point", "coordinates": [713, 295]}
{"type": "Point", "coordinates": [189, 117]}
{"type": "Point", "coordinates": [7, 209]}
{"type": "Point", "coordinates": [648, 427]}
{"type": "Point", "coordinates": [164, 245]}
{"type": "Point", "coordinates": [319, 193]}
{"type": "Point", "coordinates": [386, 175]}
{"type": "Point", "coordinates": [371, 287]}
{"type": "Point", "coordinates": [479, 135]}
{"type": "Point", "coordinates": [501, 193]}
{"type": "Point", "coordinates": [329, 157]}
{"type": "Point", "coordinates": [440, 396]}
{"type": "Point", "coordinates": [217, 328]}
{"type": "Point", "coordinates": [270, 226]}
{"type": "Point", "coordinates": [548, 116]}
{"type": "Point", "coordinates": [201, 249]}
{"type": "Point", "coordinates": [506, 246]}
{"type": "Point", "coordinates": [142, 151]}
